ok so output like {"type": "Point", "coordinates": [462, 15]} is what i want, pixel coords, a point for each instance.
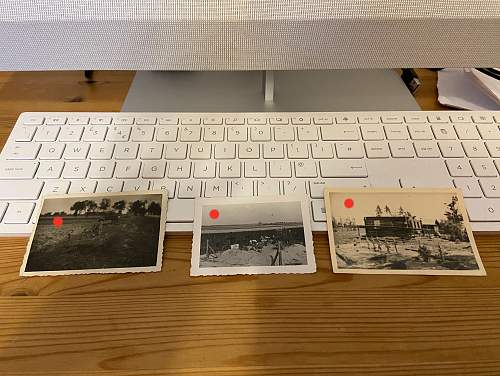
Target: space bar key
{"type": "Point", "coordinates": [180, 210]}
{"type": "Point", "coordinates": [343, 169]}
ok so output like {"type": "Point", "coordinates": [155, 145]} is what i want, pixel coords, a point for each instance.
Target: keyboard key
{"type": "Point", "coordinates": [71, 134]}
{"type": "Point", "coordinates": [482, 119]}
{"type": "Point", "coordinates": [280, 169]}
{"type": "Point", "coordinates": [372, 132]}
{"type": "Point", "coordinates": [179, 170]}
{"type": "Point", "coordinates": [166, 134]}
{"type": "Point", "coordinates": [145, 120]}
{"type": "Point", "coordinates": [368, 119]}
{"type": "Point", "coordinates": [225, 150]}
{"type": "Point", "coordinates": [101, 169]}
{"type": "Point", "coordinates": [392, 119]}
{"type": "Point", "coordinates": [143, 133]}
{"type": "Point", "coordinates": [204, 169]}
{"type": "Point", "coordinates": [167, 185]}
{"type": "Point", "coordinates": [415, 119]}
{"type": "Point", "coordinates": [213, 120]}
{"type": "Point", "coordinates": [323, 120]}
{"type": "Point", "coordinates": [176, 150]}
{"type": "Point", "coordinates": [21, 150]}
{"type": "Point", "coordinates": [343, 169]}
{"type": "Point", "coordinates": [420, 132]}
{"type": "Point", "coordinates": [317, 186]}
{"type": "Point", "coordinates": [301, 120]}
{"type": "Point", "coordinates": [318, 210]}
{"type": "Point", "coordinates": [110, 186]}
{"type": "Point", "coordinates": [180, 211]}
{"type": "Point", "coordinates": [235, 120]}
{"type": "Point", "coordinates": [153, 169]}
{"type": "Point", "coordinates": [475, 149]}
{"type": "Point", "coordinates": [257, 120]}
{"type": "Point", "coordinates": [75, 169]}
{"type": "Point", "coordinates": [467, 132]}
{"type": "Point", "coordinates": [92, 134]}
{"type": "Point", "coordinates": [230, 169]}
{"type": "Point", "coordinates": [189, 189]}
{"type": "Point", "coordinates": [349, 150]}
{"type": "Point", "coordinates": [23, 133]}
{"type": "Point", "coordinates": [451, 149]}
{"type": "Point", "coordinates": [51, 151]}
{"type": "Point", "coordinates": [284, 133]}
{"type": "Point", "coordinates": [242, 188]}
{"type": "Point", "coordinates": [135, 185]}
{"type": "Point", "coordinates": [101, 120]}
{"type": "Point", "coordinates": [33, 120]}
{"type": "Point", "coordinates": [297, 150]}
{"type": "Point", "coordinates": [47, 134]}
{"type": "Point", "coordinates": [425, 181]}
{"type": "Point", "coordinates": [119, 133]}
{"type": "Point", "coordinates": [321, 150]}
{"type": "Point", "coordinates": [401, 149]}
{"type": "Point", "coordinates": [489, 132]}
{"type": "Point", "coordinates": [50, 170]}
{"type": "Point", "coordinates": [377, 149]}
{"type": "Point", "coordinates": [294, 187]}
{"type": "Point", "coordinates": [18, 212]}
{"type": "Point", "coordinates": [426, 149]}
{"type": "Point", "coordinates": [237, 134]}
{"type": "Point", "coordinates": [396, 132]}
{"type": "Point", "coordinates": [268, 187]}
{"type": "Point", "coordinates": [123, 120]}
{"type": "Point", "coordinates": [483, 210]}
{"type": "Point", "coordinates": [76, 150]}
{"type": "Point", "coordinates": [469, 187]}
{"type": "Point", "coordinates": [126, 150]}
{"type": "Point", "coordinates": [101, 150]}
{"type": "Point", "coordinates": [305, 169]}
{"type": "Point", "coordinates": [460, 118]}
{"type": "Point", "coordinates": [248, 150]}
{"type": "Point", "coordinates": [216, 188]}
{"type": "Point", "coordinates": [55, 120]}
{"type": "Point", "coordinates": [55, 187]}
{"type": "Point", "coordinates": [483, 168]}
{"type": "Point", "coordinates": [214, 134]}
{"type": "Point", "coordinates": [278, 120]}
{"type": "Point", "coordinates": [307, 133]}
{"type": "Point", "coordinates": [459, 167]}
{"type": "Point", "coordinates": [127, 169]}
{"type": "Point", "coordinates": [260, 134]}
{"type": "Point", "coordinates": [340, 133]}
{"type": "Point", "coordinates": [83, 186]}
{"type": "Point", "coordinates": [345, 119]}
{"type": "Point", "coordinates": [20, 189]}
{"type": "Point", "coordinates": [272, 150]}
{"type": "Point", "coordinates": [78, 120]}
{"type": "Point", "coordinates": [168, 120]}
{"type": "Point", "coordinates": [190, 134]}
{"type": "Point", "coordinates": [444, 132]}
{"type": "Point", "coordinates": [200, 151]}
{"type": "Point", "coordinates": [191, 121]}
{"type": "Point", "coordinates": [17, 169]}
{"type": "Point", "coordinates": [490, 187]}
{"type": "Point", "coordinates": [255, 169]}
{"type": "Point", "coordinates": [437, 118]}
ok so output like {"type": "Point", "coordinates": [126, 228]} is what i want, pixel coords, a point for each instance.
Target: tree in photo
{"type": "Point", "coordinates": [401, 211]}
{"type": "Point", "coordinates": [104, 204]}
{"type": "Point", "coordinates": [137, 207]}
{"type": "Point", "coordinates": [119, 206]}
{"type": "Point", "coordinates": [77, 207]}
{"type": "Point", "coordinates": [154, 208]}
{"type": "Point", "coordinates": [453, 225]}
{"type": "Point", "coordinates": [378, 211]}
{"type": "Point", "coordinates": [387, 210]}
{"type": "Point", "coordinates": [91, 206]}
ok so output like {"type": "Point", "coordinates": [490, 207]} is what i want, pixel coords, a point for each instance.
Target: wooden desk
{"type": "Point", "coordinates": [169, 323]}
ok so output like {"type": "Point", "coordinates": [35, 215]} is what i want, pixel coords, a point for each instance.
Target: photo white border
{"type": "Point", "coordinates": [401, 191]}
{"type": "Point", "coordinates": [139, 269]}
{"type": "Point", "coordinates": [196, 270]}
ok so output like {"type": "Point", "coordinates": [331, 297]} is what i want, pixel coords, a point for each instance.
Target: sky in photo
{"type": "Point", "coordinates": [64, 204]}
{"type": "Point", "coordinates": [425, 206]}
{"type": "Point", "coordinates": [269, 212]}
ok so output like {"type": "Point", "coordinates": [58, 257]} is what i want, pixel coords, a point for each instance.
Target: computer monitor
{"type": "Point", "coordinates": [247, 34]}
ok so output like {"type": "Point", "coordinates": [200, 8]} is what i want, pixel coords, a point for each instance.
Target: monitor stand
{"type": "Point", "coordinates": [333, 90]}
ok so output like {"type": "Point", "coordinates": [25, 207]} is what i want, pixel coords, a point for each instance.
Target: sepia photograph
{"type": "Point", "coordinates": [402, 231]}
{"type": "Point", "coordinates": [97, 233]}
{"type": "Point", "coordinates": [252, 236]}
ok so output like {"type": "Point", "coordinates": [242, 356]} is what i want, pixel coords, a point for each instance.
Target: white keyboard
{"type": "Point", "coordinates": [248, 154]}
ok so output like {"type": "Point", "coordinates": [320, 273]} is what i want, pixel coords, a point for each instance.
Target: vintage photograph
{"type": "Point", "coordinates": [405, 231]}
{"type": "Point", "coordinates": [97, 233]}
{"type": "Point", "coordinates": [252, 236]}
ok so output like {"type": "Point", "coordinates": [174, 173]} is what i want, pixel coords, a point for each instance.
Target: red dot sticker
{"type": "Point", "coordinates": [57, 222]}
{"type": "Point", "coordinates": [214, 214]}
{"type": "Point", "coordinates": [348, 203]}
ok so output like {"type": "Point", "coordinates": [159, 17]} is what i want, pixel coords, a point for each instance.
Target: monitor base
{"type": "Point", "coordinates": [333, 90]}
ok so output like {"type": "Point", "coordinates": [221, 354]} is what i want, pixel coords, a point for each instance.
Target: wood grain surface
{"type": "Point", "coordinates": [170, 323]}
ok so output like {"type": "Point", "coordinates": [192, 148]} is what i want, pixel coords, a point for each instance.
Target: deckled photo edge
{"type": "Point", "coordinates": [161, 236]}
{"type": "Point", "coordinates": [329, 192]}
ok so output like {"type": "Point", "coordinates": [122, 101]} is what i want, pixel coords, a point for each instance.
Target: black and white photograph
{"type": "Point", "coordinates": [400, 231]}
{"type": "Point", "coordinates": [97, 233]}
{"type": "Point", "coordinates": [252, 236]}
